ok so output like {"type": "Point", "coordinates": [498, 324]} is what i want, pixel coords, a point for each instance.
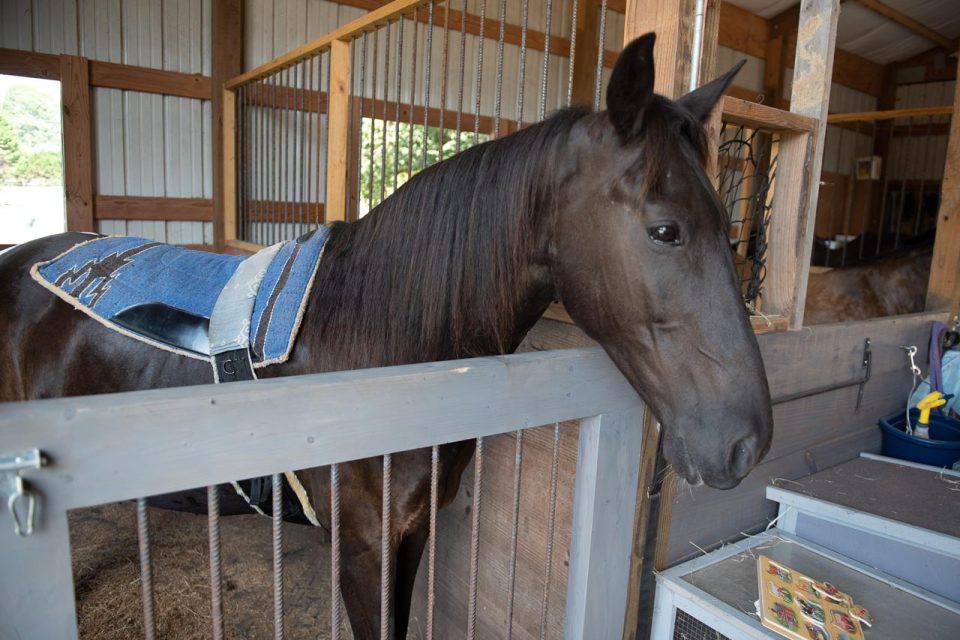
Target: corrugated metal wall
{"type": "Point", "coordinates": [145, 144]}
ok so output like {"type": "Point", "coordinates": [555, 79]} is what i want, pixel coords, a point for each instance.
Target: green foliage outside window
{"type": "Point", "coordinates": [397, 157]}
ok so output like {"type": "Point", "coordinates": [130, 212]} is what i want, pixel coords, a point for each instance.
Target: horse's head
{"type": "Point", "coordinates": [643, 264]}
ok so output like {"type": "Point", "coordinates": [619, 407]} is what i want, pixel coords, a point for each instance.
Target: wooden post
{"type": "Point", "coordinates": [943, 291]}
{"type": "Point", "coordinates": [227, 169]}
{"type": "Point", "coordinates": [791, 238]}
{"type": "Point", "coordinates": [338, 131]}
{"type": "Point", "coordinates": [77, 144]}
{"type": "Point", "coordinates": [227, 37]}
{"type": "Point", "coordinates": [672, 20]}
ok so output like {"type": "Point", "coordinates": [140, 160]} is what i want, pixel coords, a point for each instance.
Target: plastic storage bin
{"type": "Point", "coordinates": [941, 450]}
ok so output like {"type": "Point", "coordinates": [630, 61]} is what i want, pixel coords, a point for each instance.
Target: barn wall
{"type": "Point", "coordinates": [144, 144]}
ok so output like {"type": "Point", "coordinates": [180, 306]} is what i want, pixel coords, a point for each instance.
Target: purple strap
{"type": "Point", "coordinates": [936, 383]}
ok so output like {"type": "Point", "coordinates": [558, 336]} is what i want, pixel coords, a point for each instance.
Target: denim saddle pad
{"type": "Point", "coordinates": [105, 276]}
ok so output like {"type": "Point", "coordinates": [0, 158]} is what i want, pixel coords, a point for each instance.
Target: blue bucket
{"type": "Point", "coordinates": [941, 450]}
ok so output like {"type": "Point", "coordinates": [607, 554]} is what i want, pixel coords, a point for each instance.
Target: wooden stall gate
{"type": "Point", "coordinates": [100, 449]}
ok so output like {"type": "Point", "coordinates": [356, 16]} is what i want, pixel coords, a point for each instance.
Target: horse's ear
{"type": "Point", "coordinates": [700, 101]}
{"type": "Point", "coordinates": [631, 86]}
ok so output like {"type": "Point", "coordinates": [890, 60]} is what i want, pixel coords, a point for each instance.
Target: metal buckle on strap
{"type": "Point", "coordinates": [21, 502]}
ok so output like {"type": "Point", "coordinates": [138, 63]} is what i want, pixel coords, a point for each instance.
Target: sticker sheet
{"type": "Point", "coordinates": [799, 607]}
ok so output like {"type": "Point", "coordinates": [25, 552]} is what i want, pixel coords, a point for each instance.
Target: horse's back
{"type": "Point", "coordinates": [51, 350]}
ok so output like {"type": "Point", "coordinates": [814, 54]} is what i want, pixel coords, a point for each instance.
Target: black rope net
{"type": "Point", "coordinates": [746, 169]}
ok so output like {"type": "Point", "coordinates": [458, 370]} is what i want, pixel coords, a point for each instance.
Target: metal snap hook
{"type": "Point", "coordinates": [21, 495]}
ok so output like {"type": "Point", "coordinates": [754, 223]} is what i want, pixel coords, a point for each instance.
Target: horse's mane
{"type": "Point", "coordinates": [451, 239]}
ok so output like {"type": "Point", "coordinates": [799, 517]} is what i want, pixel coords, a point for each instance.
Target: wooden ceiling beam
{"type": "Point", "coordinates": [908, 23]}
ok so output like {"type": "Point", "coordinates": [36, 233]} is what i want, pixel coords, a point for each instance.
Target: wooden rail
{"type": "Point", "coordinates": [870, 116]}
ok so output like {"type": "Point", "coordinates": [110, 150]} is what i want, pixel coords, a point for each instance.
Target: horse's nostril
{"type": "Point", "coordinates": [742, 459]}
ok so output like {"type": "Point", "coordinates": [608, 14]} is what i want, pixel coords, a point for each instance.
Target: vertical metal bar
{"type": "Point", "coordinates": [426, 82]}
{"type": "Point", "coordinates": [866, 208]}
{"type": "Point", "coordinates": [478, 85]}
{"type": "Point", "coordinates": [277, 517]}
{"type": "Point", "coordinates": [512, 579]}
{"type": "Point", "coordinates": [335, 552]}
{"type": "Point", "coordinates": [276, 138]}
{"type": "Point", "coordinates": [475, 540]}
{"type": "Point", "coordinates": [146, 570]}
{"type": "Point", "coordinates": [522, 76]}
{"type": "Point", "coordinates": [289, 101]}
{"type": "Point", "coordinates": [413, 94]}
{"type": "Point", "coordinates": [396, 119]}
{"type": "Point", "coordinates": [883, 195]}
{"type": "Point", "coordinates": [923, 171]}
{"type": "Point", "coordinates": [348, 214]}
{"type": "Point", "coordinates": [443, 76]}
{"type": "Point", "coordinates": [263, 161]}
{"type": "Point", "coordinates": [362, 98]}
{"type": "Point", "coordinates": [903, 183]}
{"type": "Point", "coordinates": [302, 190]}
{"type": "Point", "coordinates": [598, 80]}
{"type": "Point", "coordinates": [573, 52]}
{"type": "Point", "coordinates": [373, 114]}
{"type": "Point", "coordinates": [463, 51]}
{"type": "Point", "coordinates": [432, 541]}
{"type": "Point", "coordinates": [551, 526]}
{"type": "Point", "coordinates": [386, 98]}
{"type": "Point", "coordinates": [241, 156]}
{"type": "Point", "coordinates": [498, 91]}
{"type": "Point", "coordinates": [386, 591]}
{"type": "Point", "coordinates": [216, 568]}
{"type": "Point", "coordinates": [848, 202]}
{"type": "Point", "coordinates": [309, 115]}
{"type": "Point", "coordinates": [836, 192]}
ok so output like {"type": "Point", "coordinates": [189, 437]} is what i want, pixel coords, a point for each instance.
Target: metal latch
{"type": "Point", "coordinates": [21, 502]}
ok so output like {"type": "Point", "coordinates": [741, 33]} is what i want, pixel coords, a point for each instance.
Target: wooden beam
{"type": "Point", "coordinates": [799, 162]}
{"type": "Point", "coordinates": [943, 290]}
{"type": "Point", "coordinates": [131, 78]}
{"type": "Point", "coordinates": [227, 36]}
{"type": "Point", "coordinates": [742, 30]}
{"type": "Point", "coordinates": [28, 64]}
{"type": "Point", "coordinates": [77, 142]}
{"type": "Point", "coordinates": [536, 40]}
{"type": "Point", "coordinates": [908, 23]}
{"type": "Point", "coordinates": [338, 119]}
{"type": "Point", "coordinates": [761, 116]}
{"type": "Point", "coordinates": [890, 114]}
{"type": "Point", "coordinates": [151, 208]}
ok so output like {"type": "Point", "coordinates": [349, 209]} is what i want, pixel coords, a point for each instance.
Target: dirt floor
{"type": "Point", "coordinates": [107, 577]}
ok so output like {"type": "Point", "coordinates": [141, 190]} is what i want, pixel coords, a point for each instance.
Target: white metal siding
{"type": "Point", "coordinates": [144, 144]}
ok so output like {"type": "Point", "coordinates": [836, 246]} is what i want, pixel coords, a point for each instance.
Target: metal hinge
{"type": "Point", "coordinates": [21, 502]}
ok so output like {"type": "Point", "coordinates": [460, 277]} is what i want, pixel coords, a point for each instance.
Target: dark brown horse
{"type": "Point", "coordinates": [611, 212]}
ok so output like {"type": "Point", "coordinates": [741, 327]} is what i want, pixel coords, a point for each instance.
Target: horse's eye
{"type": "Point", "coordinates": [664, 234]}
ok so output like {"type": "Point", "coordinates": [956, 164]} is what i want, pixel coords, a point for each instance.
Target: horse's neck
{"type": "Point", "coordinates": [420, 288]}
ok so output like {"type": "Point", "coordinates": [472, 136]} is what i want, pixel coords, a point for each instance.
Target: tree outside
{"type": "Point", "coordinates": [390, 154]}
{"type": "Point", "coordinates": [31, 159]}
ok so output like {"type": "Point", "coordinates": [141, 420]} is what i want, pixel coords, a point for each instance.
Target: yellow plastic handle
{"type": "Point", "coordinates": [930, 401]}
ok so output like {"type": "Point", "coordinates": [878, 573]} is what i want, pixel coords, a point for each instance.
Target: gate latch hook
{"type": "Point", "coordinates": [21, 502]}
